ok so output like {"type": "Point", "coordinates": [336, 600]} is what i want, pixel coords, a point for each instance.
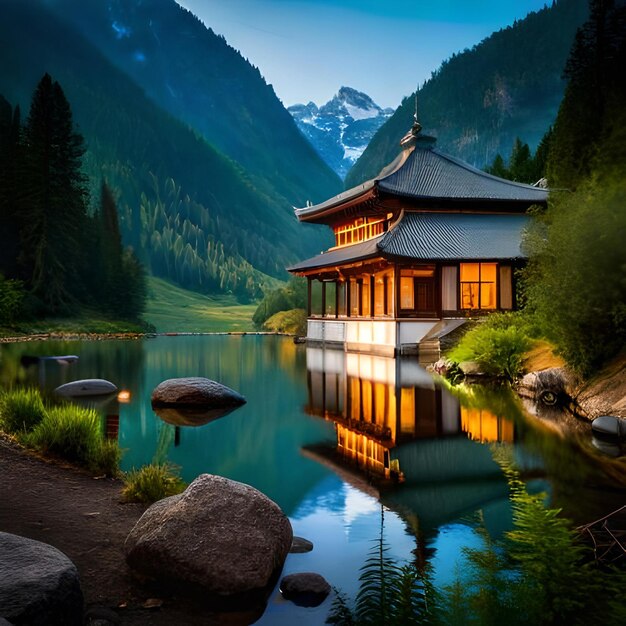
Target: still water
{"type": "Point", "coordinates": [340, 441]}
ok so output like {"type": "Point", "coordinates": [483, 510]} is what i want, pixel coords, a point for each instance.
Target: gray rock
{"type": "Point", "coordinates": [38, 584]}
{"type": "Point", "coordinates": [471, 368]}
{"type": "Point", "coordinates": [300, 545]}
{"type": "Point", "coordinates": [552, 386]}
{"type": "Point", "coordinates": [305, 588]}
{"type": "Point", "coordinates": [220, 534]}
{"type": "Point", "coordinates": [609, 426]}
{"type": "Point", "coordinates": [195, 392]}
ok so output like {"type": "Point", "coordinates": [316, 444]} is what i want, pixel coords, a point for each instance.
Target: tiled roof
{"type": "Point", "coordinates": [421, 172]}
{"type": "Point", "coordinates": [347, 254]}
{"type": "Point", "coordinates": [428, 173]}
{"type": "Point", "coordinates": [435, 237]}
{"type": "Point", "coordinates": [454, 236]}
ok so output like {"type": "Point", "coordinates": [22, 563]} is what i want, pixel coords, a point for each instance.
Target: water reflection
{"type": "Point", "coordinates": [382, 407]}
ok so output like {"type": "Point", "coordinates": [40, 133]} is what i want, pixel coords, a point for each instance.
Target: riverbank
{"type": "Point", "coordinates": [85, 518]}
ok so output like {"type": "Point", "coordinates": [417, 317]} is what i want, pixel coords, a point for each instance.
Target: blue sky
{"type": "Point", "coordinates": [307, 49]}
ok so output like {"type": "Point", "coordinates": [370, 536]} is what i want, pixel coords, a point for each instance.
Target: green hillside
{"type": "Point", "coordinates": [510, 85]}
{"type": "Point", "coordinates": [191, 214]}
{"type": "Point", "coordinates": [172, 309]}
{"type": "Point", "coordinates": [191, 72]}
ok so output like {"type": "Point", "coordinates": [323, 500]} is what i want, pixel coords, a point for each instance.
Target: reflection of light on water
{"type": "Point", "coordinates": [357, 504]}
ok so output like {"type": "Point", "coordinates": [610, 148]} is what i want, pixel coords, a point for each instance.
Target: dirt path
{"type": "Point", "coordinates": [84, 518]}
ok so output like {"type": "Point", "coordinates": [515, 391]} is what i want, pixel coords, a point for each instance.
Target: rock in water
{"type": "Point", "coordinates": [38, 584]}
{"type": "Point", "coordinates": [305, 588]}
{"type": "Point", "coordinates": [220, 534]}
{"type": "Point", "coordinates": [609, 426]}
{"type": "Point", "coordinates": [195, 392]}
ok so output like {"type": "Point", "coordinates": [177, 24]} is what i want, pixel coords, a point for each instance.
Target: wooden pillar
{"type": "Point", "coordinates": [372, 295]}
{"type": "Point", "coordinates": [308, 296]}
{"type": "Point", "coordinates": [336, 299]}
{"type": "Point", "coordinates": [349, 298]}
{"type": "Point", "coordinates": [385, 296]}
{"type": "Point", "coordinates": [323, 298]}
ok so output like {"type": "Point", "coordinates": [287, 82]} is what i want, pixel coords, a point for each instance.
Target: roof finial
{"type": "Point", "coordinates": [416, 125]}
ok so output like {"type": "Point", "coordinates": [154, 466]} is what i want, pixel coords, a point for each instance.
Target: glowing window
{"type": "Point", "coordinates": [478, 285]}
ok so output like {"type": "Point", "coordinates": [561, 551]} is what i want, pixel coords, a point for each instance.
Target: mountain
{"type": "Point", "coordinates": [340, 129]}
{"type": "Point", "coordinates": [192, 214]}
{"type": "Point", "coordinates": [509, 85]}
{"type": "Point", "coordinates": [191, 72]}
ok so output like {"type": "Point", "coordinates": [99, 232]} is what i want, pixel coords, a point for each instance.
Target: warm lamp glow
{"type": "Point", "coordinates": [123, 396]}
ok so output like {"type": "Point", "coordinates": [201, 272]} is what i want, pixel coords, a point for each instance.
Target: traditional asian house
{"type": "Point", "coordinates": [420, 248]}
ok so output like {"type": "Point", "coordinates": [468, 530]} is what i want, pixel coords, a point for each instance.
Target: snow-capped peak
{"type": "Point", "coordinates": [340, 129]}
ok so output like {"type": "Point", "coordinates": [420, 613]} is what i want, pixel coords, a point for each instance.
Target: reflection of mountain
{"type": "Point", "coordinates": [395, 426]}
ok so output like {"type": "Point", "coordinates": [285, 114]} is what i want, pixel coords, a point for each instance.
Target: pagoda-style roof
{"type": "Point", "coordinates": [434, 237]}
{"type": "Point", "coordinates": [340, 256]}
{"type": "Point", "coordinates": [455, 236]}
{"type": "Point", "coordinates": [429, 178]}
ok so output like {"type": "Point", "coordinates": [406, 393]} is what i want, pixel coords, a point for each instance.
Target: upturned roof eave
{"type": "Point", "coordinates": [351, 197]}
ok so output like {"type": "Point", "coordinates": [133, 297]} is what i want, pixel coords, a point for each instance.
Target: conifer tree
{"type": "Point", "coordinates": [54, 214]}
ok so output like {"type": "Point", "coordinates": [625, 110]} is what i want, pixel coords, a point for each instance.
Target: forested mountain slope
{"type": "Point", "coordinates": [510, 85]}
{"type": "Point", "coordinates": [191, 214]}
{"type": "Point", "coordinates": [194, 74]}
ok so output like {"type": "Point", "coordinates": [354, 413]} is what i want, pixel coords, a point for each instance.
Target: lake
{"type": "Point", "coordinates": [341, 442]}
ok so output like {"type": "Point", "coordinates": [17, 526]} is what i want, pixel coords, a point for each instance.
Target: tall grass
{"type": "Point", "coordinates": [151, 483]}
{"type": "Point", "coordinates": [20, 410]}
{"type": "Point", "coordinates": [69, 431]}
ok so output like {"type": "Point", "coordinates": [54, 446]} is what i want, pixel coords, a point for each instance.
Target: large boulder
{"type": "Point", "coordinates": [222, 535]}
{"type": "Point", "coordinates": [195, 392]}
{"type": "Point", "coordinates": [38, 584]}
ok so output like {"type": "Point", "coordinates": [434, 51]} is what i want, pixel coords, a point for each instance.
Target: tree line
{"type": "Point", "coordinates": [56, 255]}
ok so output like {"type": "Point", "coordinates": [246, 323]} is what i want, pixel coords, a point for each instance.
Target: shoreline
{"type": "Point", "coordinates": [62, 336]}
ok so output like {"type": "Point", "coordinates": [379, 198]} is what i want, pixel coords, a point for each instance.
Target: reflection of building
{"type": "Point", "coordinates": [424, 245]}
{"type": "Point", "coordinates": [381, 406]}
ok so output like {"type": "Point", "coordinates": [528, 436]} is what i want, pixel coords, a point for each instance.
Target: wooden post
{"type": "Point", "coordinates": [385, 296]}
{"type": "Point", "coordinates": [308, 296]}
{"type": "Point", "coordinates": [323, 298]}
{"type": "Point", "coordinates": [336, 299]}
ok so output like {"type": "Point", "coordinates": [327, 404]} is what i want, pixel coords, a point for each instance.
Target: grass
{"type": "Point", "coordinates": [87, 321]}
{"type": "Point", "coordinates": [173, 309]}
{"type": "Point", "coordinates": [21, 410]}
{"type": "Point", "coordinates": [151, 483]}
{"type": "Point", "coordinates": [71, 432]}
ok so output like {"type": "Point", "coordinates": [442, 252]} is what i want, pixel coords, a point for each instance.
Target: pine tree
{"type": "Point", "coordinates": [10, 168]}
{"type": "Point", "coordinates": [54, 215]}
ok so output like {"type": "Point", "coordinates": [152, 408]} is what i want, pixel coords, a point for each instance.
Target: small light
{"type": "Point", "coordinates": [123, 396]}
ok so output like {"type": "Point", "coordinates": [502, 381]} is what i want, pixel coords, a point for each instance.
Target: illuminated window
{"type": "Point", "coordinates": [359, 230]}
{"type": "Point", "coordinates": [407, 294]}
{"type": "Point", "coordinates": [478, 285]}
{"type": "Point", "coordinates": [417, 288]}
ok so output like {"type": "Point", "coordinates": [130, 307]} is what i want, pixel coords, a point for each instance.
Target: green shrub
{"type": "Point", "coordinates": [21, 410]}
{"type": "Point", "coordinates": [497, 345]}
{"type": "Point", "coordinates": [106, 458]}
{"type": "Point", "coordinates": [575, 280]}
{"type": "Point", "coordinates": [151, 483]}
{"type": "Point", "coordinates": [71, 432]}
{"type": "Point", "coordinates": [292, 322]}
{"type": "Point", "coordinates": [292, 296]}
{"type": "Point", "coordinates": [12, 296]}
